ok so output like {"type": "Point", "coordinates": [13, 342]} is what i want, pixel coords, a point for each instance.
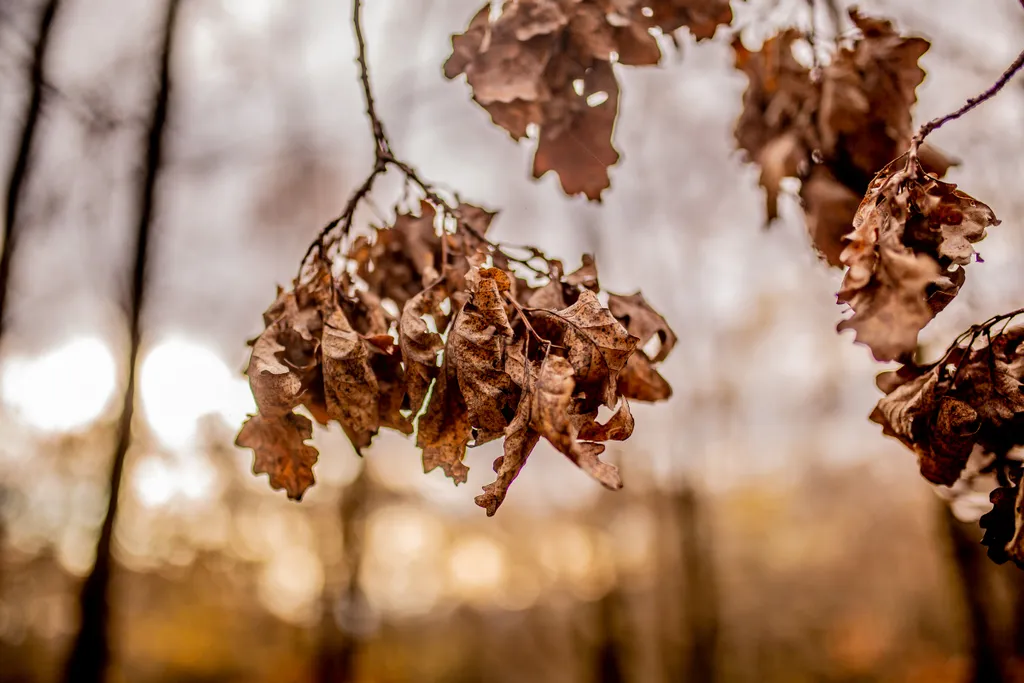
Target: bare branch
{"type": "Point", "coordinates": [970, 104]}
{"type": "Point", "coordinates": [23, 158]}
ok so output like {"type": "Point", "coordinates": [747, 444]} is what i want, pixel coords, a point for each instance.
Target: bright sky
{"type": "Point", "coordinates": [69, 387]}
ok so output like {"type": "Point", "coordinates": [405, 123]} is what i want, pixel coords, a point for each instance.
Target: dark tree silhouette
{"type": "Point", "coordinates": [23, 156]}
{"type": "Point", "coordinates": [972, 584]}
{"type": "Point", "coordinates": [700, 590]}
{"type": "Point", "coordinates": [90, 652]}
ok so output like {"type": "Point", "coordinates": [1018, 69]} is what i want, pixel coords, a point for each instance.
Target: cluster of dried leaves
{"type": "Point", "coordinates": [834, 129]}
{"type": "Point", "coordinates": [549, 63]}
{"type": "Point", "coordinates": [477, 353]}
{"type": "Point", "coordinates": [904, 235]}
{"type": "Point", "coordinates": [972, 398]}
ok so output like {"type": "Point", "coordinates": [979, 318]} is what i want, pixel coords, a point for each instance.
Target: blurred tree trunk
{"type": "Point", "coordinates": [970, 566]}
{"type": "Point", "coordinates": [610, 665]}
{"type": "Point", "coordinates": [23, 155]}
{"type": "Point", "coordinates": [90, 651]}
{"type": "Point", "coordinates": [343, 621]}
{"type": "Point", "coordinates": [700, 590]}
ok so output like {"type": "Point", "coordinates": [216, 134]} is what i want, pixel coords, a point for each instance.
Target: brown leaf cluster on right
{"type": "Point", "coordinates": [549, 63]}
{"type": "Point", "coordinates": [856, 116]}
{"type": "Point", "coordinates": [972, 398]}
{"type": "Point", "coordinates": [521, 361]}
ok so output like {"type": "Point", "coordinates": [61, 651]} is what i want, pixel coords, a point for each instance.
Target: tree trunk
{"type": "Point", "coordinates": [339, 643]}
{"type": "Point", "coordinates": [90, 652]}
{"type": "Point", "coordinates": [700, 591]}
{"type": "Point", "coordinates": [610, 665]}
{"type": "Point", "coordinates": [23, 156]}
{"type": "Point", "coordinates": [970, 572]}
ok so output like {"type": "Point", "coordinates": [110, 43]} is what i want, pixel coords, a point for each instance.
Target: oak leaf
{"type": "Point", "coordinates": [579, 147]}
{"type": "Point", "coordinates": [280, 451]}
{"type": "Point", "coordinates": [912, 236]}
{"type": "Point", "coordinates": [402, 259]}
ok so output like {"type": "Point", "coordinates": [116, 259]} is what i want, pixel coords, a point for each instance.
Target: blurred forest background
{"type": "Point", "coordinates": [767, 532]}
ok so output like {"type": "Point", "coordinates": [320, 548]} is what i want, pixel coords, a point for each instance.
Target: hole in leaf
{"type": "Point", "coordinates": [597, 99]}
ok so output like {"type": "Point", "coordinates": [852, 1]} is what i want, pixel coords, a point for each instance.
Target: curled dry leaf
{"type": "Point", "coordinates": [419, 345]}
{"type": "Point", "coordinates": [520, 440]}
{"type": "Point", "coordinates": [549, 64]}
{"type": "Point", "coordinates": [1004, 526]}
{"type": "Point", "coordinates": [912, 237]}
{"type": "Point", "coordinates": [643, 322]}
{"type": "Point", "coordinates": [518, 362]}
{"type": "Point", "coordinates": [834, 134]}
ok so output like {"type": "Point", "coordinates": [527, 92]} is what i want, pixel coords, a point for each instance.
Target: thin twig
{"type": "Point", "coordinates": [970, 104]}
{"type": "Point", "coordinates": [522, 315]}
{"type": "Point", "coordinates": [973, 332]}
{"type": "Point", "coordinates": [338, 228]}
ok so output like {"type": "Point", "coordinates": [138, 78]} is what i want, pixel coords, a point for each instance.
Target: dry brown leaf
{"type": "Point", "coordinates": [477, 354]}
{"type": "Point", "coordinates": [401, 260]}
{"type": "Point", "coordinates": [280, 451]}
{"type": "Point", "coordinates": [520, 440]}
{"type": "Point", "coordinates": [585, 276]}
{"type": "Point", "coordinates": [283, 358]}
{"type": "Point", "coordinates": [701, 17]}
{"type": "Point", "coordinates": [1004, 526]}
{"type": "Point", "coordinates": [387, 368]}
{"type": "Point", "coordinates": [598, 346]}
{"type": "Point", "coordinates": [350, 385]}
{"type": "Point", "coordinates": [619, 426]}
{"type": "Point", "coordinates": [912, 236]}
{"type": "Point", "coordinates": [830, 207]}
{"type": "Point", "coordinates": [579, 148]}
{"type": "Point", "coordinates": [643, 322]}
{"type": "Point", "coordinates": [550, 417]}
{"type": "Point", "coordinates": [444, 430]}
{"type": "Point", "coordinates": [640, 381]}
{"type": "Point", "coordinates": [525, 67]}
